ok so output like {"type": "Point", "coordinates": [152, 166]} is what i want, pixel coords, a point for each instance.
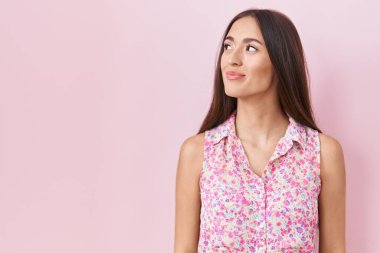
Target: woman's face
{"type": "Point", "coordinates": [247, 57]}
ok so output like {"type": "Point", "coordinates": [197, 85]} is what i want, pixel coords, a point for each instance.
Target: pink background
{"type": "Point", "coordinates": [96, 98]}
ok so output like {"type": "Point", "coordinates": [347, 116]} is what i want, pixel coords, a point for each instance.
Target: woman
{"type": "Point", "coordinates": [260, 176]}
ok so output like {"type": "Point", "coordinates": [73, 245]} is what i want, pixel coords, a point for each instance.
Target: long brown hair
{"type": "Point", "coordinates": [287, 56]}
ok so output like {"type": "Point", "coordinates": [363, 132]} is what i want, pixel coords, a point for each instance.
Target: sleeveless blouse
{"type": "Point", "coordinates": [243, 212]}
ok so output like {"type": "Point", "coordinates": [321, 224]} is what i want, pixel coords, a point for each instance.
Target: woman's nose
{"type": "Point", "coordinates": [235, 58]}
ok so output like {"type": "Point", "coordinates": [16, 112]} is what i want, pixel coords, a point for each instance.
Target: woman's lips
{"type": "Point", "coordinates": [234, 75]}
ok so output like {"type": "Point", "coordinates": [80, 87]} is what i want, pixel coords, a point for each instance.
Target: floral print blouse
{"type": "Point", "coordinates": [243, 212]}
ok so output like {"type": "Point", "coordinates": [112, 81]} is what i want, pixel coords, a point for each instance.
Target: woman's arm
{"type": "Point", "coordinates": [332, 197]}
{"type": "Point", "coordinates": [188, 203]}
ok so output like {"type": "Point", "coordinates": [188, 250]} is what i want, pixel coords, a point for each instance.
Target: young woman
{"type": "Point", "coordinates": [260, 176]}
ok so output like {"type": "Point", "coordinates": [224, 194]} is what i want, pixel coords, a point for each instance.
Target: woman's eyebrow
{"type": "Point", "coordinates": [245, 40]}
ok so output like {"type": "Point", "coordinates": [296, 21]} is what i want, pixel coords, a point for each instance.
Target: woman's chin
{"type": "Point", "coordinates": [233, 92]}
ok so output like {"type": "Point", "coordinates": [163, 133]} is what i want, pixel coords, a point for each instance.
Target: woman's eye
{"type": "Point", "coordinates": [224, 46]}
{"type": "Point", "coordinates": [252, 47]}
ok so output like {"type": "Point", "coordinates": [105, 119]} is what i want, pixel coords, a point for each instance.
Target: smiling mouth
{"type": "Point", "coordinates": [234, 76]}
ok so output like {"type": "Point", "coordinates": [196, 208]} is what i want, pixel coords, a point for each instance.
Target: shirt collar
{"type": "Point", "coordinates": [295, 131]}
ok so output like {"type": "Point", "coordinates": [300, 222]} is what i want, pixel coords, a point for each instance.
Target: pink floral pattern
{"type": "Point", "coordinates": [243, 212]}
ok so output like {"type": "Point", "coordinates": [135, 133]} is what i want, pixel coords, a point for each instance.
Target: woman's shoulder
{"type": "Point", "coordinates": [329, 145]}
{"type": "Point", "coordinates": [192, 149]}
{"type": "Point", "coordinates": [332, 157]}
{"type": "Point", "coordinates": [193, 145]}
